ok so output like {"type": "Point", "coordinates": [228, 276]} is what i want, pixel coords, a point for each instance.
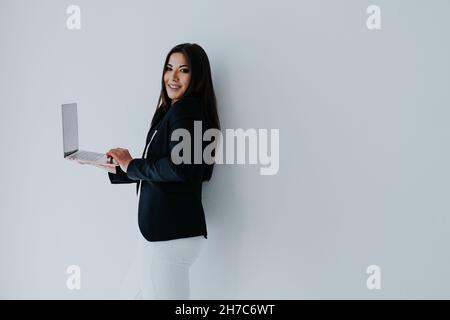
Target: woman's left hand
{"type": "Point", "coordinates": [122, 156]}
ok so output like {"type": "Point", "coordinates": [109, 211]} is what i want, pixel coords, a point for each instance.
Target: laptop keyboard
{"type": "Point", "coordinates": [88, 155]}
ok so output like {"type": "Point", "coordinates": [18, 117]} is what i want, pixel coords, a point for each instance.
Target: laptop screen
{"type": "Point", "coordinates": [70, 128]}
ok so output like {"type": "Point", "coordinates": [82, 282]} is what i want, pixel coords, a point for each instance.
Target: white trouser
{"type": "Point", "coordinates": [165, 267]}
{"type": "Point", "coordinates": [160, 269]}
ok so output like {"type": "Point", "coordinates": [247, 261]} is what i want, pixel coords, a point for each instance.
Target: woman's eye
{"type": "Point", "coordinates": [185, 70]}
{"type": "Point", "coordinates": [168, 68]}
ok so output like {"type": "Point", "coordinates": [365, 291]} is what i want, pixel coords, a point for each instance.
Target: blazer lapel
{"type": "Point", "coordinates": [158, 121]}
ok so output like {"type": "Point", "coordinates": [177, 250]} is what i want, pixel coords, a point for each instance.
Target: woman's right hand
{"type": "Point", "coordinates": [107, 168]}
{"type": "Point", "coordinates": [111, 169]}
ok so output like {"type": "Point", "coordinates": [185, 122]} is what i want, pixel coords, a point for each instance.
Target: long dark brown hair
{"type": "Point", "coordinates": [200, 86]}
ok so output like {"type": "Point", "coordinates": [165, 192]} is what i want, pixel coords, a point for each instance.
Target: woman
{"type": "Point", "coordinates": [170, 212]}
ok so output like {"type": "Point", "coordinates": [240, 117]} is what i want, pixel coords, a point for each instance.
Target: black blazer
{"type": "Point", "coordinates": [170, 203]}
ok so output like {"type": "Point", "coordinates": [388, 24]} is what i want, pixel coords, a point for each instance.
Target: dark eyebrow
{"type": "Point", "coordinates": [184, 65]}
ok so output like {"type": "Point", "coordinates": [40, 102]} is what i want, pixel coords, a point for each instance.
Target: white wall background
{"type": "Point", "coordinates": [364, 160]}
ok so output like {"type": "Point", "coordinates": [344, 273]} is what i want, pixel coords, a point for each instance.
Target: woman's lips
{"type": "Point", "coordinates": [173, 87]}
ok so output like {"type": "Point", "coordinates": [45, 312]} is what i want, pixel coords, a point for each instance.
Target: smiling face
{"type": "Point", "coordinates": [177, 76]}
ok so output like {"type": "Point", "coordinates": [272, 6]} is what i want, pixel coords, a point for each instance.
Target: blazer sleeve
{"type": "Point", "coordinates": [164, 169]}
{"type": "Point", "coordinates": [119, 177]}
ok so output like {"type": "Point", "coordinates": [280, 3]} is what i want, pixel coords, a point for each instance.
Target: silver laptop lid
{"type": "Point", "coordinates": [70, 128]}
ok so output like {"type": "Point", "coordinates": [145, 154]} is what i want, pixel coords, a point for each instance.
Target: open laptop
{"type": "Point", "coordinates": [70, 139]}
